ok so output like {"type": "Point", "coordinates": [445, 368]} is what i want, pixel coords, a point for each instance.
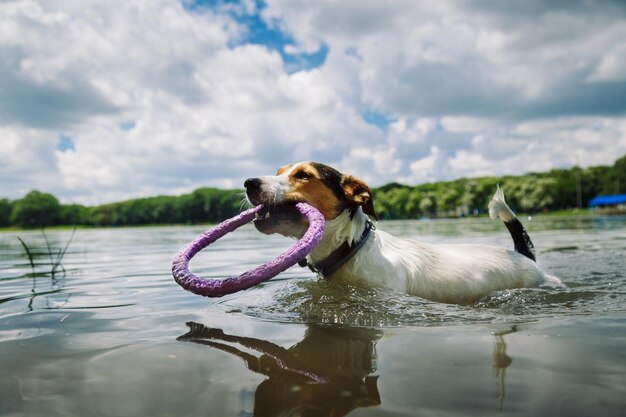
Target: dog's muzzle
{"type": "Point", "coordinates": [253, 190]}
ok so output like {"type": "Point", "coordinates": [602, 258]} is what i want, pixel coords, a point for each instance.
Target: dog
{"type": "Point", "coordinates": [352, 250]}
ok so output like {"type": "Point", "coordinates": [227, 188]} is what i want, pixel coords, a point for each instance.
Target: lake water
{"type": "Point", "coordinates": [116, 336]}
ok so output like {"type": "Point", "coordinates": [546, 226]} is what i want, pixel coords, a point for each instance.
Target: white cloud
{"type": "Point", "coordinates": [432, 167]}
{"type": "Point", "coordinates": [469, 58]}
{"type": "Point", "coordinates": [200, 111]}
{"type": "Point", "coordinates": [26, 158]}
{"type": "Point", "coordinates": [612, 66]}
{"type": "Point", "coordinates": [162, 97]}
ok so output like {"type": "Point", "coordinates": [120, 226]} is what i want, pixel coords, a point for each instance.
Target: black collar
{"type": "Point", "coordinates": [339, 256]}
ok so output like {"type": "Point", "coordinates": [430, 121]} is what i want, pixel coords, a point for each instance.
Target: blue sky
{"type": "Point", "coordinates": [259, 31]}
{"type": "Point", "coordinates": [104, 101]}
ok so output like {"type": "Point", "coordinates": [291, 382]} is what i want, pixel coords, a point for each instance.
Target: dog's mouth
{"type": "Point", "coordinates": [280, 218]}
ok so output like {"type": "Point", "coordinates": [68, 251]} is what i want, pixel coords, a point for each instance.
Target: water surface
{"type": "Point", "coordinates": [115, 336]}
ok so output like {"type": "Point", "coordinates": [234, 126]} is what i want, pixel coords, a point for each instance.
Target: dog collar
{"type": "Point", "coordinates": [339, 256]}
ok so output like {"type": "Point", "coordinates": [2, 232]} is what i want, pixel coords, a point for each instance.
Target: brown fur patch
{"type": "Point", "coordinates": [306, 185]}
{"type": "Point", "coordinates": [359, 193]}
{"type": "Point", "coordinates": [282, 169]}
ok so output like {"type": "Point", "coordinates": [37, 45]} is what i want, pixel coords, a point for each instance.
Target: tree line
{"type": "Point", "coordinates": [38, 209]}
{"type": "Point", "coordinates": [558, 189]}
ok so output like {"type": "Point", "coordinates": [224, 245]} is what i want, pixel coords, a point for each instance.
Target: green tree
{"type": "Point", "coordinates": [618, 177]}
{"type": "Point", "coordinates": [101, 215]}
{"type": "Point", "coordinates": [447, 199]}
{"type": "Point", "coordinates": [530, 193]}
{"type": "Point", "coordinates": [36, 209]}
{"type": "Point", "coordinates": [383, 209]}
{"type": "Point", "coordinates": [399, 198]}
{"type": "Point", "coordinates": [428, 204]}
{"type": "Point", "coordinates": [74, 214]}
{"type": "Point", "coordinates": [556, 189]}
{"type": "Point", "coordinates": [413, 204]}
{"type": "Point", "coordinates": [566, 184]}
{"type": "Point", "coordinates": [164, 210]}
{"type": "Point", "coordinates": [5, 212]}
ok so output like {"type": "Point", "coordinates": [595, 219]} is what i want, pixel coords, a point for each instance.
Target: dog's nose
{"type": "Point", "coordinates": [252, 183]}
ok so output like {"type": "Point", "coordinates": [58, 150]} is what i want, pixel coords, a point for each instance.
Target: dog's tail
{"type": "Point", "coordinates": [499, 208]}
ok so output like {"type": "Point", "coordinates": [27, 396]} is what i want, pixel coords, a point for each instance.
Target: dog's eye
{"type": "Point", "coordinates": [302, 175]}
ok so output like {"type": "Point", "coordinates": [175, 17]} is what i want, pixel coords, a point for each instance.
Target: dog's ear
{"type": "Point", "coordinates": [358, 193]}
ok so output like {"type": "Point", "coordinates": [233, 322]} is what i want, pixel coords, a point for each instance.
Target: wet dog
{"type": "Point", "coordinates": [353, 251]}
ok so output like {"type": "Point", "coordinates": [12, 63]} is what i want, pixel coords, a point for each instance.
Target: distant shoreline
{"type": "Point", "coordinates": [558, 190]}
{"type": "Point", "coordinates": [584, 213]}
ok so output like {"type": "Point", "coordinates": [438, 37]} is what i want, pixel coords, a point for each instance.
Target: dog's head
{"type": "Point", "coordinates": [319, 185]}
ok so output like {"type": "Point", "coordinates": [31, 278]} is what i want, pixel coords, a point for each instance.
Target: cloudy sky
{"type": "Point", "coordinates": [107, 100]}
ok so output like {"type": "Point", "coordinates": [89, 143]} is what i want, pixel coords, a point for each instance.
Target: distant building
{"type": "Point", "coordinates": [609, 203]}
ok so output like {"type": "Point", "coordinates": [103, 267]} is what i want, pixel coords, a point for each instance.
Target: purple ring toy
{"type": "Point", "coordinates": [221, 287]}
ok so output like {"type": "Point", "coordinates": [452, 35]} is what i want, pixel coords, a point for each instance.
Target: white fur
{"type": "Point", "coordinates": [499, 208]}
{"type": "Point", "coordinates": [459, 274]}
{"type": "Point", "coordinates": [274, 187]}
{"type": "Point", "coordinates": [448, 273]}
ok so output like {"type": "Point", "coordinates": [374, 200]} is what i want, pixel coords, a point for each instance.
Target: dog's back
{"type": "Point", "coordinates": [351, 250]}
{"type": "Point", "coordinates": [452, 273]}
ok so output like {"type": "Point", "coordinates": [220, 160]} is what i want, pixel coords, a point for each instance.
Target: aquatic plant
{"type": "Point", "coordinates": [29, 253]}
{"type": "Point", "coordinates": [56, 256]}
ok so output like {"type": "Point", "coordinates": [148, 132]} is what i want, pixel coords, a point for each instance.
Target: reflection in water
{"type": "Point", "coordinates": [500, 361]}
{"type": "Point", "coordinates": [328, 373]}
{"type": "Point", "coordinates": [45, 262]}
